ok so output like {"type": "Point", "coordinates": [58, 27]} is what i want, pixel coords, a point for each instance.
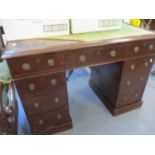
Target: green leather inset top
{"type": "Point", "coordinates": [125, 31]}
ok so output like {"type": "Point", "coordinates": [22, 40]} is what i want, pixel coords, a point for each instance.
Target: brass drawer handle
{"type": "Point", "coordinates": [128, 83]}
{"type": "Point", "coordinates": [113, 53]}
{"type": "Point", "coordinates": [132, 67]}
{"type": "Point", "coordinates": [125, 99]}
{"type": "Point", "coordinates": [51, 62]}
{"type": "Point", "coordinates": [53, 82]}
{"type": "Point", "coordinates": [151, 47]}
{"type": "Point", "coordinates": [41, 122]}
{"type": "Point", "coordinates": [59, 116]}
{"type": "Point", "coordinates": [136, 95]}
{"type": "Point", "coordinates": [141, 79]}
{"type": "Point", "coordinates": [36, 105]}
{"type": "Point", "coordinates": [32, 86]}
{"type": "Point", "coordinates": [56, 100]}
{"type": "Point", "coordinates": [82, 58]}
{"type": "Point", "coordinates": [26, 66]}
{"type": "Point", "coordinates": [146, 64]}
{"type": "Point", "coordinates": [136, 49]}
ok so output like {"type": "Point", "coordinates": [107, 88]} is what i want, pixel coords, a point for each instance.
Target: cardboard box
{"type": "Point", "coordinates": [82, 26]}
{"type": "Point", "coordinates": [34, 28]}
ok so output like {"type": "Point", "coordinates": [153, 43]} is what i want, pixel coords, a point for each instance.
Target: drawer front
{"type": "Point", "coordinates": [141, 48]}
{"type": "Point", "coordinates": [46, 102]}
{"type": "Point", "coordinates": [37, 85]}
{"type": "Point", "coordinates": [137, 80]}
{"type": "Point", "coordinates": [94, 56]}
{"type": "Point", "coordinates": [138, 65]}
{"type": "Point", "coordinates": [129, 97]}
{"type": "Point", "coordinates": [25, 66]}
{"type": "Point", "coordinates": [49, 120]}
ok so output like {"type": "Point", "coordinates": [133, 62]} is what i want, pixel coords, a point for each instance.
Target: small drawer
{"type": "Point", "coordinates": [49, 120]}
{"type": "Point", "coordinates": [132, 81]}
{"type": "Point", "coordinates": [41, 84]}
{"type": "Point", "coordinates": [45, 102]}
{"type": "Point", "coordinates": [138, 65]}
{"type": "Point", "coordinates": [141, 48]}
{"type": "Point", "coordinates": [29, 65]}
{"type": "Point", "coordinates": [129, 97]}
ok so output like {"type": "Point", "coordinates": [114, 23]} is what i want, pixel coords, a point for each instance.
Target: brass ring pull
{"type": "Point", "coordinates": [136, 49]}
{"type": "Point", "coordinates": [31, 86]}
{"type": "Point", "coordinates": [146, 64]}
{"type": "Point", "coordinates": [113, 53]}
{"type": "Point", "coordinates": [83, 58]}
{"type": "Point", "coordinates": [51, 62]}
{"type": "Point", "coordinates": [132, 67]}
{"type": "Point", "coordinates": [151, 47]}
{"type": "Point", "coordinates": [36, 105]}
{"type": "Point", "coordinates": [26, 66]}
{"type": "Point", "coordinates": [59, 116]}
{"type": "Point", "coordinates": [128, 83]}
{"type": "Point", "coordinates": [56, 100]}
{"type": "Point", "coordinates": [53, 82]}
{"type": "Point", "coordinates": [41, 122]}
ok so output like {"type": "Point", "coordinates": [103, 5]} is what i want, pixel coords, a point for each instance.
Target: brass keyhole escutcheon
{"type": "Point", "coordinates": [26, 66]}
{"type": "Point", "coordinates": [113, 53]}
{"type": "Point", "coordinates": [51, 62]}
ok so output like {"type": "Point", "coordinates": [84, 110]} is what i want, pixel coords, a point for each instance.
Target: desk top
{"type": "Point", "coordinates": [75, 41]}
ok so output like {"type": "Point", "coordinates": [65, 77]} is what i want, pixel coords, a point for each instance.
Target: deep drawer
{"type": "Point", "coordinates": [49, 120]}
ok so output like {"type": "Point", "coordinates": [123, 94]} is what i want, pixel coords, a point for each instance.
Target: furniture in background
{"type": "Point", "coordinates": [8, 106]}
{"type": "Point", "coordinates": [120, 63]}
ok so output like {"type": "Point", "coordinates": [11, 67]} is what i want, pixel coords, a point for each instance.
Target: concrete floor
{"type": "Point", "coordinates": [91, 117]}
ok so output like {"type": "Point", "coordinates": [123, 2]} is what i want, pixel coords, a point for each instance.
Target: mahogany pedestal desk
{"type": "Point", "coordinates": [120, 63]}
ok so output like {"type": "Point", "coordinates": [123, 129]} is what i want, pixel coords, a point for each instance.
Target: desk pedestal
{"type": "Point", "coordinates": [121, 85]}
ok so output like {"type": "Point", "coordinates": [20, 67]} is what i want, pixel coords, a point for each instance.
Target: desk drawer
{"type": "Point", "coordinates": [92, 56]}
{"type": "Point", "coordinates": [138, 65]}
{"type": "Point", "coordinates": [49, 120]}
{"type": "Point", "coordinates": [45, 102]}
{"type": "Point", "coordinates": [129, 97]}
{"type": "Point", "coordinates": [132, 81]}
{"type": "Point", "coordinates": [141, 48]}
{"type": "Point", "coordinates": [41, 84]}
{"type": "Point", "coordinates": [30, 65]}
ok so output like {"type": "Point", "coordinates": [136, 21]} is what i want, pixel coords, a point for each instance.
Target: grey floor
{"type": "Point", "coordinates": [90, 116]}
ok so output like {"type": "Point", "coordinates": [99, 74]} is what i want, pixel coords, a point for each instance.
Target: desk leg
{"type": "Point", "coordinates": [121, 85]}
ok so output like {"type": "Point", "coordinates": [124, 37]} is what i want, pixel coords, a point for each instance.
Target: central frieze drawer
{"type": "Point", "coordinates": [98, 55]}
{"type": "Point", "coordinates": [41, 84]}
{"type": "Point", "coordinates": [30, 65]}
